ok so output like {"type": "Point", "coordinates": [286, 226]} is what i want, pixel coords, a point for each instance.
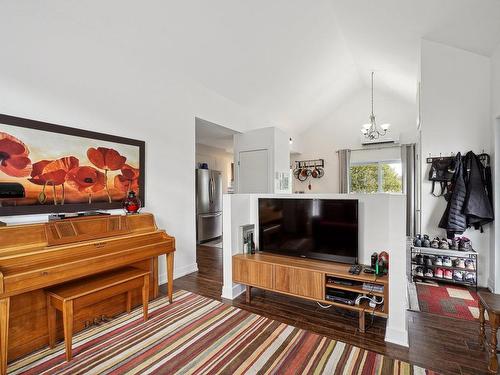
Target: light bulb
{"type": "Point", "coordinates": [385, 126]}
{"type": "Point", "coordinates": [367, 126]}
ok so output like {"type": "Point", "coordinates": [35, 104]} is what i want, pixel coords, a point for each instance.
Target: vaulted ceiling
{"type": "Point", "coordinates": [293, 60]}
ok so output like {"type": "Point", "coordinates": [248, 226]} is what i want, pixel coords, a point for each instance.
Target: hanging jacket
{"type": "Point", "coordinates": [477, 206]}
{"type": "Point", "coordinates": [453, 219]}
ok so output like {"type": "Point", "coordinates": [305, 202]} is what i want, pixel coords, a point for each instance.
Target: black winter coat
{"type": "Point", "coordinates": [477, 205]}
{"type": "Point", "coordinates": [454, 220]}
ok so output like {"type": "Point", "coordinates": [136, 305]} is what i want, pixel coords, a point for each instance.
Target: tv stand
{"type": "Point", "coordinates": [308, 279]}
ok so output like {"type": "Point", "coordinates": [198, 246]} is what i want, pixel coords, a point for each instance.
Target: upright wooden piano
{"type": "Point", "coordinates": [36, 256]}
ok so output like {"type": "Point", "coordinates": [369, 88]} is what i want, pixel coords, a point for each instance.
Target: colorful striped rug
{"type": "Point", "coordinates": [197, 335]}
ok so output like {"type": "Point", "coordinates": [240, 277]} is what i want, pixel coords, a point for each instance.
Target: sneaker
{"type": "Point", "coordinates": [470, 265]}
{"type": "Point", "coordinates": [470, 277]}
{"type": "Point", "coordinates": [448, 274]}
{"type": "Point", "coordinates": [419, 259]}
{"type": "Point", "coordinates": [443, 244]}
{"type": "Point", "coordinates": [418, 241]}
{"type": "Point", "coordinates": [465, 244]}
{"type": "Point", "coordinates": [458, 275]}
{"type": "Point", "coordinates": [426, 242]}
{"type": "Point", "coordinates": [447, 262]}
{"type": "Point", "coordinates": [435, 243]}
{"type": "Point", "coordinates": [454, 243]}
{"type": "Point", "coordinates": [460, 263]}
{"type": "Point", "coordinates": [438, 261]}
{"type": "Point", "coordinates": [428, 261]}
{"type": "Point", "coordinates": [438, 272]}
{"type": "Point", "coordinates": [418, 271]}
{"type": "Point", "coordinates": [429, 272]}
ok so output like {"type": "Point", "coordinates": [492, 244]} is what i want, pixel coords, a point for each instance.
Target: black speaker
{"type": "Point", "coordinates": [11, 190]}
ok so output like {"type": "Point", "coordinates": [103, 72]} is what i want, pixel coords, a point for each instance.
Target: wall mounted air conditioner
{"type": "Point", "coordinates": [385, 139]}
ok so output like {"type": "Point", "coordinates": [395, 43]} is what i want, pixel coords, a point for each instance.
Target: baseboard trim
{"type": "Point", "coordinates": [491, 285]}
{"type": "Point", "coordinates": [232, 291]}
{"type": "Point", "coordinates": [178, 272]}
{"type": "Point", "coordinates": [396, 336]}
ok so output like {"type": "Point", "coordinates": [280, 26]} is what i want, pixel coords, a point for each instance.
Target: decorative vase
{"type": "Point", "coordinates": [131, 204]}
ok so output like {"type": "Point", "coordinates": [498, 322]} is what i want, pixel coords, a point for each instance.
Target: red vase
{"type": "Point", "coordinates": [131, 204]}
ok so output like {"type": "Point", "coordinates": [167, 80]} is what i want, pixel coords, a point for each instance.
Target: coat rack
{"type": "Point", "coordinates": [484, 157]}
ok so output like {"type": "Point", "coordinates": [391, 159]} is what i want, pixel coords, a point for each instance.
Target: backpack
{"type": "Point", "coordinates": [442, 171]}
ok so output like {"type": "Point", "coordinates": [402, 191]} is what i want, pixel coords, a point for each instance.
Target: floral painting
{"type": "Point", "coordinates": [61, 172]}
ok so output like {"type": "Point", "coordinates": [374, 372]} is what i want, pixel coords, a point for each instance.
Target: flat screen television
{"type": "Point", "coordinates": [325, 229]}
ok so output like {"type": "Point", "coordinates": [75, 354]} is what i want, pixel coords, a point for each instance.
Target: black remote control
{"type": "Point", "coordinates": [355, 269]}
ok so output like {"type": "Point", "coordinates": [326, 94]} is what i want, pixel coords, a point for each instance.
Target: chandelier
{"type": "Point", "coordinates": [371, 130]}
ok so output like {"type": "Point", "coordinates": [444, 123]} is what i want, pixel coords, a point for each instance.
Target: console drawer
{"type": "Point", "coordinates": [304, 283]}
{"type": "Point", "coordinates": [253, 273]}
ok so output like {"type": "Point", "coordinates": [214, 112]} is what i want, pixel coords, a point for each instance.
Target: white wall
{"type": "Point", "coordinates": [67, 86]}
{"type": "Point", "coordinates": [374, 235]}
{"type": "Point", "coordinates": [217, 159]}
{"type": "Point", "coordinates": [456, 116]}
{"type": "Point", "coordinates": [494, 281]}
{"type": "Point", "coordinates": [342, 129]}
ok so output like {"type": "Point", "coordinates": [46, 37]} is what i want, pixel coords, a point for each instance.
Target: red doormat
{"type": "Point", "coordinates": [453, 301]}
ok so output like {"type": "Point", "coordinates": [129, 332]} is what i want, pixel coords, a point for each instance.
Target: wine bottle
{"type": "Point", "coordinates": [252, 244]}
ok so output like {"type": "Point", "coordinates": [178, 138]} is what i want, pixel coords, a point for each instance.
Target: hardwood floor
{"type": "Point", "coordinates": [445, 345]}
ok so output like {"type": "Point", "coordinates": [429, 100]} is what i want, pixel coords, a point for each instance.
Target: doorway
{"type": "Point", "coordinates": [213, 170]}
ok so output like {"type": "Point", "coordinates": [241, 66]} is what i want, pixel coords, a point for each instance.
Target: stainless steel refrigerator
{"type": "Point", "coordinates": [208, 204]}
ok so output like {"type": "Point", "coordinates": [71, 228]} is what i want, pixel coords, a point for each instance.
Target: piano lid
{"type": "Point", "coordinates": [73, 230]}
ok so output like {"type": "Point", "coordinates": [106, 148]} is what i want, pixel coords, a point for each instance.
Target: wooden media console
{"type": "Point", "coordinates": [309, 279]}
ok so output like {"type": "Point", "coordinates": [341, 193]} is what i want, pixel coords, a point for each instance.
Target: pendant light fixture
{"type": "Point", "coordinates": [371, 130]}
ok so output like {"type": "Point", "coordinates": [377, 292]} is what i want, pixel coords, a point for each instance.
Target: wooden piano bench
{"type": "Point", "coordinates": [70, 297]}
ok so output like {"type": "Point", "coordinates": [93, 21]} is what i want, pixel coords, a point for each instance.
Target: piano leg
{"type": "Point", "coordinates": [170, 276]}
{"type": "Point", "coordinates": [4, 333]}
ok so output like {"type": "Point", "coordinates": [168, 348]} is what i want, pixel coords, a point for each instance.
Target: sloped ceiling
{"type": "Point", "coordinates": [294, 61]}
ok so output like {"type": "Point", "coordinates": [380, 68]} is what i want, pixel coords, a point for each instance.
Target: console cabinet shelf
{"type": "Point", "coordinates": [308, 279]}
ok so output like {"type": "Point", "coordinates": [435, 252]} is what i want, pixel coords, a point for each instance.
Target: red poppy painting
{"type": "Point", "coordinates": [64, 169]}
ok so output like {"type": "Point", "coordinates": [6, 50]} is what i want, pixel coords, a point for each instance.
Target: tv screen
{"type": "Point", "coordinates": [325, 229]}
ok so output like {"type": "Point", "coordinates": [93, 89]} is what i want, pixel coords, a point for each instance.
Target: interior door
{"type": "Point", "coordinates": [253, 171]}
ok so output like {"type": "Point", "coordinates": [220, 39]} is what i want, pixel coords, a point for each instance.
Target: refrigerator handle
{"type": "Point", "coordinates": [210, 189]}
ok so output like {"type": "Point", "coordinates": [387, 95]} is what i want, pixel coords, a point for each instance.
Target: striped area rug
{"type": "Point", "coordinates": [198, 335]}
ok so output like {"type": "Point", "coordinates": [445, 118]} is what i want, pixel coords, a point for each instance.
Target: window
{"type": "Point", "coordinates": [376, 177]}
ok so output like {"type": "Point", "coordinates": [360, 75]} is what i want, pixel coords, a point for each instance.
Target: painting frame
{"type": "Point", "coordinates": [71, 131]}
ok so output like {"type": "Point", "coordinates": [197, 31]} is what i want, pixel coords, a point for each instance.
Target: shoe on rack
{"type": "Point", "coordinates": [429, 272]}
{"type": "Point", "coordinates": [438, 261]}
{"type": "Point", "coordinates": [417, 242]}
{"type": "Point", "coordinates": [470, 277]}
{"type": "Point", "coordinates": [458, 275]}
{"type": "Point", "coordinates": [419, 259]}
{"type": "Point", "coordinates": [443, 244]}
{"type": "Point", "coordinates": [428, 261]}
{"type": "Point", "coordinates": [438, 272]}
{"type": "Point", "coordinates": [470, 265]}
{"type": "Point", "coordinates": [465, 244]}
{"type": "Point", "coordinates": [448, 274]}
{"type": "Point", "coordinates": [435, 243]}
{"type": "Point", "coordinates": [454, 243]}
{"type": "Point", "coordinates": [418, 271]}
{"type": "Point", "coordinates": [447, 262]}
{"type": "Point", "coordinates": [426, 242]}
{"type": "Point", "coordinates": [460, 263]}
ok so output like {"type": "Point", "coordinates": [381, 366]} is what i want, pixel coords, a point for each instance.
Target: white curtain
{"type": "Point", "coordinates": [344, 166]}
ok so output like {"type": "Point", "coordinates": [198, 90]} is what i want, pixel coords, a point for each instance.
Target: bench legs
{"type": "Point", "coordinates": [4, 333]}
{"type": "Point", "coordinates": [170, 276]}
{"type": "Point", "coordinates": [145, 297]}
{"type": "Point", "coordinates": [51, 322]}
{"type": "Point", "coordinates": [68, 328]}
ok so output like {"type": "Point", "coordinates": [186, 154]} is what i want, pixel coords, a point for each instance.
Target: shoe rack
{"type": "Point", "coordinates": [453, 254]}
